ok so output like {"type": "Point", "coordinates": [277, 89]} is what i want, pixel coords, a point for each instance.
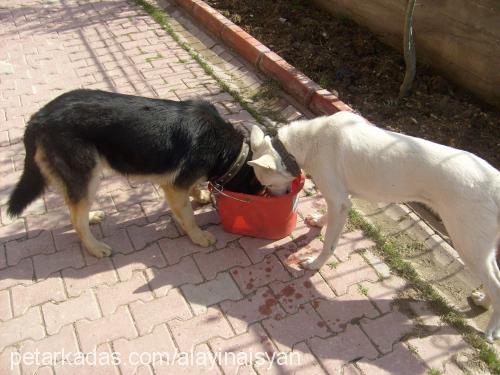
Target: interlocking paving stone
{"type": "Point", "coordinates": [337, 351]}
{"type": "Point", "coordinates": [57, 315]}
{"type": "Point", "coordinates": [219, 289]}
{"type": "Point", "coordinates": [195, 331]}
{"type": "Point", "coordinates": [160, 310]}
{"type": "Point", "coordinates": [251, 309]}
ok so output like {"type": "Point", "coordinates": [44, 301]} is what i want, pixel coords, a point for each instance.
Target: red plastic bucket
{"type": "Point", "coordinates": [260, 216]}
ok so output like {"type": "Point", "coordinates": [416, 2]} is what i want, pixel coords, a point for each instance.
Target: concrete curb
{"type": "Point", "coordinates": [294, 82]}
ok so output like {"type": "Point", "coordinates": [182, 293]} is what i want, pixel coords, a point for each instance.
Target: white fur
{"type": "Point", "coordinates": [346, 156]}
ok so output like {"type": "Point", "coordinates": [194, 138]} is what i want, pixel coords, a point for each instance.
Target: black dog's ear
{"type": "Point", "coordinates": [256, 137]}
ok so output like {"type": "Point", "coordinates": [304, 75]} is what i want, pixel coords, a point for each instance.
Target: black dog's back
{"type": "Point", "coordinates": [134, 135]}
{"type": "Point", "coordinates": [140, 135]}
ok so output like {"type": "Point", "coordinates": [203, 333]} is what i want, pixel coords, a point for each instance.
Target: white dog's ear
{"type": "Point", "coordinates": [256, 137]}
{"type": "Point", "coordinates": [265, 161]}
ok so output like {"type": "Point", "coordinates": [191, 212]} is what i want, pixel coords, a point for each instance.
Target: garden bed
{"type": "Point", "coordinates": [366, 74]}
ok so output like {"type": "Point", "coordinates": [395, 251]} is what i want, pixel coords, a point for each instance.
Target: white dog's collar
{"type": "Point", "coordinates": [288, 159]}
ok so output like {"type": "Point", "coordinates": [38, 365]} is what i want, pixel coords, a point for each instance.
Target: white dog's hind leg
{"type": "Point", "coordinates": [474, 233]}
{"type": "Point", "coordinates": [336, 218]}
{"type": "Point", "coordinates": [486, 270]}
{"type": "Point", "coordinates": [492, 286]}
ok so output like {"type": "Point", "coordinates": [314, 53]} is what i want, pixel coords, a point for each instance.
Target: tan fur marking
{"type": "Point", "coordinates": [52, 179]}
{"type": "Point", "coordinates": [79, 213]}
{"type": "Point", "coordinates": [178, 201]}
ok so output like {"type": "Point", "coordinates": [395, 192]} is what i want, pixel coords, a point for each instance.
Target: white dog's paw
{"type": "Point", "coordinates": [309, 263]}
{"type": "Point", "coordinates": [480, 299]}
{"type": "Point", "coordinates": [315, 220]}
{"type": "Point", "coordinates": [493, 331]}
{"type": "Point", "coordinates": [100, 250]}
{"type": "Point", "coordinates": [95, 217]}
{"type": "Point", "coordinates": [492, 334]}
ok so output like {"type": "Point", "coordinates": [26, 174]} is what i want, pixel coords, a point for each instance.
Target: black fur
{"type": "Point", "coordinates": [31, 184]}
{"type": "Point", "coordinates": [135, 135]}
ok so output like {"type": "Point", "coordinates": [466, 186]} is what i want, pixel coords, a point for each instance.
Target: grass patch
{"type": "Point", "coordinates": [269, 89]}
{"type": "Point", "coordinates": [326, 82]}
{"type": "Point", "coordinates": [157, 57]}
{"type": "Point", "coordinates": [297, 4]}
{"type": "Point", "coordinates": [389, 249]}
{"type": "Point", "coordinates": [363, 289]}
{"type": "Point", "coordinates": [412, 349]}
{"type": "Point", "coordinates": [163, 20]}
{"type": "Point", "coordinates": [333, 264]}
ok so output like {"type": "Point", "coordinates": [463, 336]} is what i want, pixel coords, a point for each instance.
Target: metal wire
{"type": "Point", "coordinates": [220, 190]}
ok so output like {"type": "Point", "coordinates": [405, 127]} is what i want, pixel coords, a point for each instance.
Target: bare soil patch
{"type": "Point", "coordinates": [366, 74]}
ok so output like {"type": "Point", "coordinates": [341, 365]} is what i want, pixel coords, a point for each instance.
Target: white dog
{"type": "Point", "coordinates": [346, 156]}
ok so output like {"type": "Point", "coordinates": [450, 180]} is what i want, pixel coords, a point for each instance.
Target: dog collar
{"type": "Point", "coordinates": [235, 167]}
{"type": "Point", "coordinates": [287, 158]}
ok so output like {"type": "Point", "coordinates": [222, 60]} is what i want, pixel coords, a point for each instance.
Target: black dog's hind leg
{"type": "Point", "coordinates": [73, 169]}
{"type": "Point", "coordinates": [80, 217]}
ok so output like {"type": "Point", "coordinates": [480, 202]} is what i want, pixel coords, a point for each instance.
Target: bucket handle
{"type": "Point", "coordinates": [220, 190]}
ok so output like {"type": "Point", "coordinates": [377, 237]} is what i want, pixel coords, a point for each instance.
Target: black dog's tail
{"type": "Point", "coordinates": [31, 184]}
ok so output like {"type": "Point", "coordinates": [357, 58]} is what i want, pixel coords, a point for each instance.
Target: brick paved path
{"type": "Point", "coordinates": [158, 292]}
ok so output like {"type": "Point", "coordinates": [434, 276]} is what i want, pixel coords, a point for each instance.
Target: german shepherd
{"type": "Point", "coordinates": [173, 144]}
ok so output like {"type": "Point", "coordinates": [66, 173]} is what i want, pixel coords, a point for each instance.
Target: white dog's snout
{"type": "Point", "coordinates": [279, 191]}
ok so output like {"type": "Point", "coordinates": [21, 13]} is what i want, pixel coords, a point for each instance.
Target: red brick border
{"type": "Point", "coordinates": [295, 83]}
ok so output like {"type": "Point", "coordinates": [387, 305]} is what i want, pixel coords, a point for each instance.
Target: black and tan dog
{"type": "Point", "coordinates": [176, 145]}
